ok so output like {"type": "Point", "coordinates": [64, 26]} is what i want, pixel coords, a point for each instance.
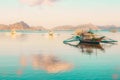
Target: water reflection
{"type": "Point", "coordinates": [18, 35]}
{"type": "Point", "coordinates": [51, 37]}
{"type": "Point", "coordinates": [47, 62]}
{"type": "Point", "coordinates": [91, 48]}
{"type": "Point", "coordinates": [23, 60]}
{"type": "Point", "coordinates": [19, 72]}
{"type": "Point", "coordinates": [13, 35]}
{"type": "Point", "coordinates": [115, 76]}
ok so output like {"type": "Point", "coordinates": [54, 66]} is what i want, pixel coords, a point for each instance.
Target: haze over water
{"type": "Point", "coordinates": [37, 56]}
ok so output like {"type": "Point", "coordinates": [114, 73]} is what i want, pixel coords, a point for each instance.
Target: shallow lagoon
{"type": "Point", "coordinates": [37, 56]}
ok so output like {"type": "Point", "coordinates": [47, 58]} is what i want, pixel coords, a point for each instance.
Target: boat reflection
{"type": "Point", "coordinates": [47, 62]}
{"type": "Point", "coordinates": [90, 48]}
{"type": "Point", "coordinates": [19, 36]}
{"type": "Point", "coordinates": [14, 35]}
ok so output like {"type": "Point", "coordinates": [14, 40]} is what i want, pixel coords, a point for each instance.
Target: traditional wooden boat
{"type": "Point", "coordinates": [51, 33]}
{"type": "Point", "coordinates": [92, 41]}
{"type": "Point", "coordinates": [90, 38]}
{"type": "Point", "coordinates": [13, 32]}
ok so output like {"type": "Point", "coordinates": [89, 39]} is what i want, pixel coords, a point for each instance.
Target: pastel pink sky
{"type": "Point", "coordinates": [37, 2]}
{"type": "Point", "coordinates": [50, 13]}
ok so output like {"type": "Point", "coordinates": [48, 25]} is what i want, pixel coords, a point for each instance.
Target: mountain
{"type": "Point", "coordinates": [82, 27]}
{"type": "Point", "coordinates": [37, 28]}
{"type": "Point", "coordinates": [19, 26]}
{"type": "Point", "coordinates": [24, 26]}
{"type": "Point", "coordinates": [65, 27]}
{"type": "Point", "coordinates": [87, 27]}
{"type": "Point", "coordinates": [4, 27]}
{"type": "Point", "coordinates": [109, 27]}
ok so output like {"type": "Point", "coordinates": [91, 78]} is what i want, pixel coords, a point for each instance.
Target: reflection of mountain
{"type": "Point", "coordinates": [49, 63]}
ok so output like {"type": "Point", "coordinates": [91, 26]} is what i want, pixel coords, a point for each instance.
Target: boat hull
{"type": "Point", "coordinates": [90, 42]}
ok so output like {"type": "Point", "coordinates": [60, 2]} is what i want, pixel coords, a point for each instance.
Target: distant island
{"type": "Point", "coordinates": [20, 26]}
{"type": "Point", "coordinates": [24, 26]}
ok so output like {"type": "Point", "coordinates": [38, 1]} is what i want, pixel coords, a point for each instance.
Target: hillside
{"type": "Point", "coordinates": [87, 27]}
{"type": "Point", "coordinates": [24, 26]}
{"type": "Point", "coordinates": [20, 26]}
{"type": "Point", "coordinates": [109, 27]}
{"type": "Point", "coordinates": [4, 27]}
{"type": "Point", "coordinates": [83, 27]}
{"type": "Point", "coordinates": [65, 27]}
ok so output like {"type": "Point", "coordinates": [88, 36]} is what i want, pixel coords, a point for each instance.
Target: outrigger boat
{"type": "Point", "coordinates": [51, 33]}
{"type": "Point", "coordinates": [13, 32]}
{"type": "Point", "coordinates": [90, 38]}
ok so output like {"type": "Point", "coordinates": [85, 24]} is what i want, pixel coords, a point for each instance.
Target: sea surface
{"type": "Point", "coordinates": [38, 56]}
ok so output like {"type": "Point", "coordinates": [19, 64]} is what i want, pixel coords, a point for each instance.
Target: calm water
{"type": "Point", "coordinates": [37, 56]}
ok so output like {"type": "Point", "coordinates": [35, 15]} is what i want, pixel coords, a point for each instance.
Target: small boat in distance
{"type": "Point", "coordinates": [13, 32]}
{"type": "Point", "coordinates": [51, 33]}
{"type": "Point", "coordinates": [113, 30]}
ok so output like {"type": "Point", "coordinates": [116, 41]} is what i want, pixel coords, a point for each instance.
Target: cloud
{"type": "Point", "coordinates": [37, 2]}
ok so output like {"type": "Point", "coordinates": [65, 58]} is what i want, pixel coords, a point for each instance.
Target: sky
{"type": "Point", "coordinates": [50, 13]}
